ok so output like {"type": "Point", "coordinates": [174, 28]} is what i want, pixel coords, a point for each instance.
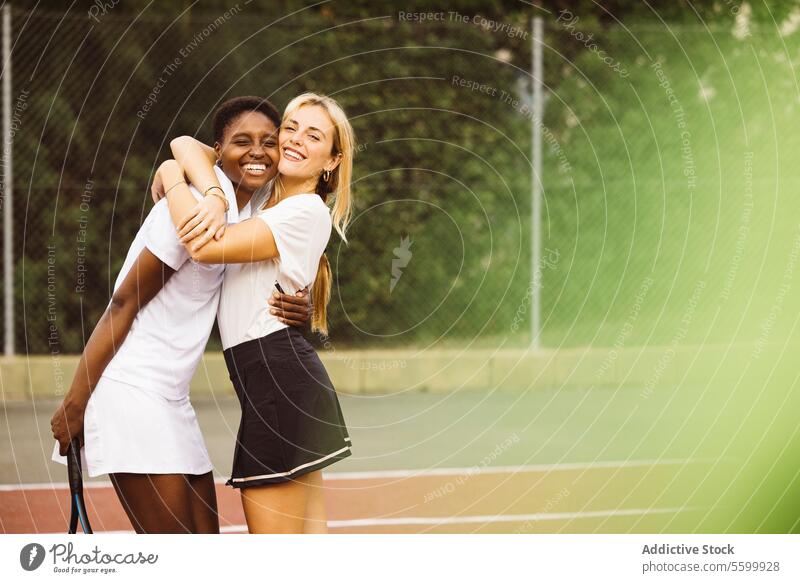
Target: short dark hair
{"type": "Point", "coordinates": [231, 109]}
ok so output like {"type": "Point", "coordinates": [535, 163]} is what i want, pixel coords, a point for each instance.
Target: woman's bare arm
{"type": "Point", "coordinates": [197, 161]}
{"type": "Point", "coordinates": [145, 279]}
{"type": "Point", "coordinates": [186, 150]}
{"type": "Point", "coordinates": [245, 242]}
{"type": "Point", "coordinates": [182, 203]}
{"type": "Point", "coordinates": [252, 242]}
{"type": "Point", "coordinates": [206, 219]}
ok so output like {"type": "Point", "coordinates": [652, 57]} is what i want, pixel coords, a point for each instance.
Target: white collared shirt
{"type": "Point", "coordinates": [168, 336]}
{"type": "Point", "coordinates": [301, 226]}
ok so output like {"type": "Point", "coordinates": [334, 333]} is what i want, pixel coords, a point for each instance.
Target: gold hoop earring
{"type": "Point", "coordinates": [326, 175]}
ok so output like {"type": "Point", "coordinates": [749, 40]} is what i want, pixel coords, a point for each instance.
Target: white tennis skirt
{"type": "Point", "coordinates": [129, 429]}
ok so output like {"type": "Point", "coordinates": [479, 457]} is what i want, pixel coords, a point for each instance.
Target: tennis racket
{"type": "Point", "coordinates": [76, 489]}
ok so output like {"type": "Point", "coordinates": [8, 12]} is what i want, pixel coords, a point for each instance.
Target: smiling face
{"type": "Point", "coordinates": [306, 142]}
{"type": "Point", "coordinates": [249, 151]}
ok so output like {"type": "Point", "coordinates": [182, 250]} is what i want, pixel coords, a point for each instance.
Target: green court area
{"type": "Point", "coordinates": [603, 459]}
{"type": "Point", "coordinates": [422, 431]}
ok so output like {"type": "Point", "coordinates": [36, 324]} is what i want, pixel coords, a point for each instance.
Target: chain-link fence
{"type": "Point", "coordinates": [657, 141]}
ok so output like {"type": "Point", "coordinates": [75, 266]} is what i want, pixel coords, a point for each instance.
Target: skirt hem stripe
{"type": "Point", "coordinates": [293, 470]}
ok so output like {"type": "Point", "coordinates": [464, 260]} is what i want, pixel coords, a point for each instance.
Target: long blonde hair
{"type": "Point", "coordinates": [338, 185]}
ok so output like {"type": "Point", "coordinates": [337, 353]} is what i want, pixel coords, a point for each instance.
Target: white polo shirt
{"type": "Point", "coordinates": [168, 336]}
{"type": "Point", "coordinates": [301, 226]}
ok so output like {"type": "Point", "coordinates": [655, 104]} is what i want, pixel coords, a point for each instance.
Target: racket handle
{"type": "Point", "coordinates": [73, 517]}
{"type": "Point", "coordinates": [74, 467]}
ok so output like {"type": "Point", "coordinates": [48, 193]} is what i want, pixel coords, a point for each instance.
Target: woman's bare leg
{"type": "Point", "coordinates": [168, 503]}
{"type": "Point", "coordinates": [203, 496]}
{"type": "Point", "coordinates": [316, 521]}
{"type": "Point", "coordinates": [277, 508]}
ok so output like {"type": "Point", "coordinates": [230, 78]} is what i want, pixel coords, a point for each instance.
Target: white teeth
{"type": "Point", "coordinates": [292, 155]}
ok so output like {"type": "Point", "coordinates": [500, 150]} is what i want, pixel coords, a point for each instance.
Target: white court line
{"type": "Point", "coordinates": [52, 486]}
{"type": "Point", "coordinates": [378, 474]}
{"type": "Point", "coordinates": [479, 519]}
{"type": "Point", "coordinates": [489, 518]}
{"type": "Point", "coordinates": [508, 469]}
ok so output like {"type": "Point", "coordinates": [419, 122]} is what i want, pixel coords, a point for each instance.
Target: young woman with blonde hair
{"type": "Point", "coordinates": [129, 402]}
{"type": "Point", "coordinates": [291, 425]}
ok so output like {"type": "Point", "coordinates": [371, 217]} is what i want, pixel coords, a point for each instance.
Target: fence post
{"type": "Point", "coordinates": [8, 188]}
{"type": "Point", "coordinates": [536, 177]}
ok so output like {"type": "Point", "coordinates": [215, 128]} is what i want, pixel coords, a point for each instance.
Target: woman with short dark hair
{"type": "Point", "coordinates": [129, 400]}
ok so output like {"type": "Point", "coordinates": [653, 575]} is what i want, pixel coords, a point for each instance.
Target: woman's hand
{"type": "Point", "coordinates": [67, 422]}
{"type": "Point", "coordinates": [206, 220]}
{"type": "Point", "coordinates": [291, 310]}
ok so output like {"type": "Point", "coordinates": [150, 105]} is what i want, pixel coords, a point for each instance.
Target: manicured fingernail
{"type": "Point", "coordinates": [275, 295]}
{"type": "Point", "coordinates": [273, 312]}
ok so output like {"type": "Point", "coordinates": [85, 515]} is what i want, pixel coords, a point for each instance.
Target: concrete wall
{"type": "Point", "coordinates": [390, 371]}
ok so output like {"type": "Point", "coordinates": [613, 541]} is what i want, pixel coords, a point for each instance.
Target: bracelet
{"type": "Point", "coordinates": [173, 186]}
{"type": "Point", "coordinates": [222, 196]}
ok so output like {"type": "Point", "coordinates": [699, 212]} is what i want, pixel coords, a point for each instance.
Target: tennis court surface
{"type": "Point", "coordinates": [568, 461]}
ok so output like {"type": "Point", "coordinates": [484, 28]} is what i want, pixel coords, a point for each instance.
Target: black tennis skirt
{"type": "Point", "coordinates": [292, 423]}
